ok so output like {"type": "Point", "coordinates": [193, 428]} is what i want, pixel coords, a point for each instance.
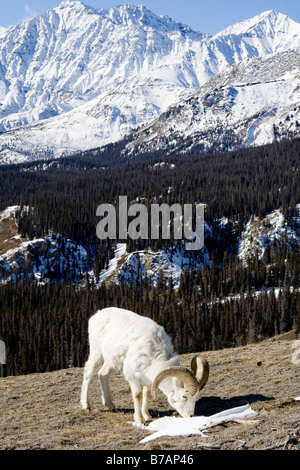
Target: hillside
{"type": "Point", "coordinates": [242, 287]}
{"type": "Point", "coordinates": [42, 411]}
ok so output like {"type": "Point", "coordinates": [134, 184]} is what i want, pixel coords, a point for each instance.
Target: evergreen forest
{"type": "Point", "coordinates": [225, 303]}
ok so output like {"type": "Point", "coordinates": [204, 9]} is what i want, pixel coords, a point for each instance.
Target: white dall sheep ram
{"type": "Point", "coordinates": [122, 341]}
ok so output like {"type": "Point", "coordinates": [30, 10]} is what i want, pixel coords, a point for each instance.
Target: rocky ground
{"type": "Point", "coordinates": [42, 411]}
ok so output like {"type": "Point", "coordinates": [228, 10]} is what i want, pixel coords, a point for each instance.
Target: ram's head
{"type": "Point", "coordinates": [186, 385]}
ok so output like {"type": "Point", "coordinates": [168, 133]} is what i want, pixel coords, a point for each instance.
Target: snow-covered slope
{"type": "Point", "coordinates": [162, 265]}
{"type": "Point", "coordinates": [251, 103]}
{"type": "Point", "coordinates": [76, 77]}
{"type": "Point", "coordinates": [274, 27]}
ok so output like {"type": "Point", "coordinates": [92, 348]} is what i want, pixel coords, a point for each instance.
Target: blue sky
{"type": "Point", "coordinates": [207, 16]}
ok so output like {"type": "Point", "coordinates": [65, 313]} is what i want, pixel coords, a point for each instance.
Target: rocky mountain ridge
{"type": "Point", "coordinates": [76, 78]}
{"type": "Point", "coordinates": [55, 259]}
{"type": "Point", "coordinates": [254, 102]}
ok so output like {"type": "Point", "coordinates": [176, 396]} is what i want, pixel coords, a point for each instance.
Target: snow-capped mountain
{"type": "Point", "coordinates": [77, 77]}
{"type": "Point", "coordinates": [251, 103]}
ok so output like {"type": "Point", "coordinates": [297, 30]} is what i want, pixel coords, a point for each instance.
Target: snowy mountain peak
{"type": "Point", "coordinates": [138, 15]}
{"type": "Point", "coordinates": [129, 14]}
{"type": "Point", "coordinates": [73, 9]}
{"type": "Point", "coordinates": [269, 23]}
{"type": "Point", "coordinates": [71, 5]}
{"type": "Point", "coordinates": [126, 14]}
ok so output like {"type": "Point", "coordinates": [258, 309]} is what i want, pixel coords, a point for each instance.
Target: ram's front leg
{"type": "Point", "coordinates": [145, 405]}
{"type": "Point", "coordinates": [137, 396]}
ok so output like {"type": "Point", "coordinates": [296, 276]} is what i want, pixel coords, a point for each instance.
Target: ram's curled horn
{"type": "Point", "coordinates": [182, 373]}
{"type": "Point", "coordinates": [200, 368]}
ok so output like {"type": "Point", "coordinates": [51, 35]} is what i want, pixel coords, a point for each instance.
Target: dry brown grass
{"type": "Point", "coordinates": [42, 411]}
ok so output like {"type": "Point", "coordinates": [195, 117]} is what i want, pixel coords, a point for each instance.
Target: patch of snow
{"type": "Point", "coordinates": [120, 251]}
{"type": "Point", "coordinates": [8, 212]}
{"type": "Point", "coordinates": [256, 294]}
{"type": "Point", "coordinates": [255, 125]}
{"type": "Point", "coordinates": [196, 425]}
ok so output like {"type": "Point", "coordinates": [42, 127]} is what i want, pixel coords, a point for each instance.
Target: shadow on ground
{"type": "Point", "coordinates": [208, 406]}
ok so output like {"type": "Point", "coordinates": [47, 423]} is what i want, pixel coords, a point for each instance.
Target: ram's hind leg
{"type": "Point", "coordinates": [89, 370]}
{"type": "Point", "coordinates": [103, 376]}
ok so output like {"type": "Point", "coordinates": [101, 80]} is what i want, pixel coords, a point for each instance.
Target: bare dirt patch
{"type": "Point", "coordinates": [42, 411]}
{"type": "Point", "coordinates": [9, 238]}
